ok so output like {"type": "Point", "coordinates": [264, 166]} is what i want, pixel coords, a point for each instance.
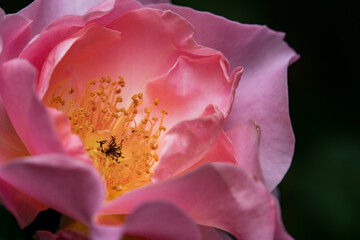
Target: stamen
{"type": "Point", "coordinates": [122, 149]}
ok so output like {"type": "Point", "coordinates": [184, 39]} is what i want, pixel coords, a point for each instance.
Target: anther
{"type": "Point", "coordinates": [156, 101]}
{"type": "Point", "coordinates": [154, 146]}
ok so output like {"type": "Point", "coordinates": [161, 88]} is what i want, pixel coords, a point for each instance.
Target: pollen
{"type": "Point", "coordinates": [121, 140]}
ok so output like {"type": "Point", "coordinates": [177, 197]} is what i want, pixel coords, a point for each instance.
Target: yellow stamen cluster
{"type": "Point", "coordinates": [122, 149]}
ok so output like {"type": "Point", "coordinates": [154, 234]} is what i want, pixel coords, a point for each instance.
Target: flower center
{"type": "Point", "coordinates": [121, 144]}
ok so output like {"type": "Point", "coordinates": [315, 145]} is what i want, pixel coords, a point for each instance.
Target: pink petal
{"type": "Point", "coordinates": [151, 220]}
{"type": "Point", "coordinates": [209, 233]}
{"type": "Point", "coordinates": [42, 12]}
{"type": "Point", "coordinates": [262, 92]}
{"type": "Point", "coordinates": [103, 13]}
{"type": "Point", "coordinates": [280, 232]}
{"type": "Point", "coordinates": [221, 151]}
{"type": "Point", "coordinates": [191, 85]}
{"type": "Point", "coordinates": [245, 138]}
{"type": "Point", "coordinates": [240, 43]}
{"type": "Point", "coordinates": [87, 56]}
{"type": "Point", "coordinates": [22, 207]}
{"type": "Point", "coordinates": [67, 57]}
{"type": "Point", "coordinates": [38, 50]}
{"type": "Point", "coordinates": [44, 235]}
{"type": "Point", "coordinates": [219, 195]}
{"type": "Point", "coordinates": [66, 234]}
{"type": "Point", "coordinates": [27, 114]}
{"type": "Point", "coordinates": [154, 1]}
{"type": "Point", "coordinates": [155, 51]}
{"type": "Point", "coordinates": [1, 44]}
{"type": "Point", "coordinates": [188, 142]}
{"type": "Point", "coordinates": [72, 143]}
{"type": "Point", "coordinates": [162, 221]}
{"type": "Point", "coordinates": [108, 232]}
{"type": "Point", "coordinates": [15, 32]}
{"type": "Point", "coordinates": [65, 184]}
{"type": "Point", "coordinates": [62, 28]}
{"type": "Point", "coordinates": [11, 145]}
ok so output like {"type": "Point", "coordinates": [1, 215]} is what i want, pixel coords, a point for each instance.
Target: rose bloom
{"type": "Point", "coordinates": [130, 119]}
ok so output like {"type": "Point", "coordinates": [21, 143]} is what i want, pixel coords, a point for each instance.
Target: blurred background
{"type": "Point", "coordinates": [319, 196]}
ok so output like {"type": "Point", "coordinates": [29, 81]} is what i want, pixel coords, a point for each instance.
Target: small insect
{"type": "Point", "coordinates": [112, 150]}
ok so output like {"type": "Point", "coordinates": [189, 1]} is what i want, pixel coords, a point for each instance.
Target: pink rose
{"type": "Point", "coordinates": [114, 108]}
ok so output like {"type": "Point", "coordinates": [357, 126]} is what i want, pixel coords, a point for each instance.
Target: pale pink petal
{"type": "Point", "coordinates": [188, 143]}
{"type": "Point", "coordinates": [22, 207]}
{"type": "Point", "coordinates": [162, 221]}
{"type": "Point", "coordinates": [65, 184]}
{"type": "Point", "coordinates": [262, 92]}
{"type": "Point", "coordinates": [26, 113]}
{"type": "Point", "coordinates": [42, 12]}
{"type": "Point", "coordinates": [219, 195]}
{"type": "Point", "coordinates": [11, 145]}
{"type": "Point", "coordinates": [15, 32]}
{"type": "Point", "coordinates": [72, 143]}
{"type": "Point", "coordinates": [245, 138]}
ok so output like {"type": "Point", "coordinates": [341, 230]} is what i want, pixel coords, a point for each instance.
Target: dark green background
{"type": "Point", "coordinates": [320, 194]}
